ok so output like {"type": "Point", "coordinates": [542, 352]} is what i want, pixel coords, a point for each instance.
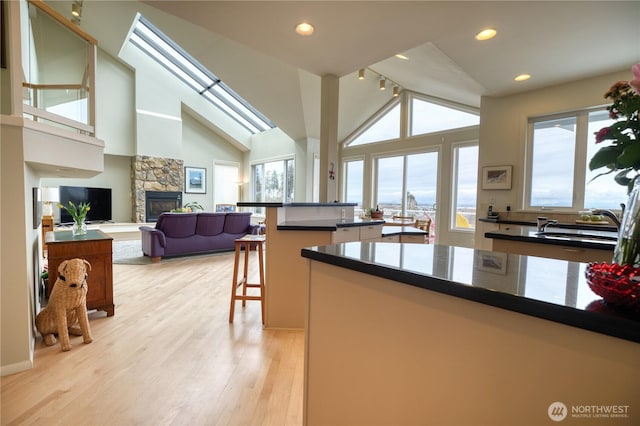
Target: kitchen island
{"type": "Point", "coordinates": [427, 334]}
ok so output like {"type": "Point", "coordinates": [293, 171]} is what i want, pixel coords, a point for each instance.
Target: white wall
{"type": "Point", "coordinates": [202, 147]}
{"type": "Point", "coordinates": [115, 105]}
{"type": "Point", "coordinates": [19, 254]}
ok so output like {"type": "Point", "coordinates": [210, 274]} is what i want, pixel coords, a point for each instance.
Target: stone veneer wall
{"type": "Point", "coordinates": [153, 174]}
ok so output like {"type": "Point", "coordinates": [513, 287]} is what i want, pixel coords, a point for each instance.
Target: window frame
{"type": "Point", "coordinates": [285, 160]}
{"type": "Point", "coordinates": [436, 101]}
{"type": "Point", "coordinates": [581, 141]}
{"type": "Point", "coordinates": [454, 186]}
{"type": "Point", "coordinates": [345, 177]}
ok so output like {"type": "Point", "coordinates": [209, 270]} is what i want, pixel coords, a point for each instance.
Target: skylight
{"type": "Point", "coordinates": [176, 60]}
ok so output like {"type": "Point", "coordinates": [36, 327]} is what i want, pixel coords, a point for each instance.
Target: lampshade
{"type": "Point", "coordinates": [50, 194]}
{"type": "Point", "coordinates": [383, 83]}
{"type": "Point", "coordinates": [361, 74]}
{"type": "Point", "coordinates": [396, 90]}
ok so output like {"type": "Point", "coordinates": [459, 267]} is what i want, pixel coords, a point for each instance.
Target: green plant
{"type": "Point", "coordinates": [188, 208]}
{"type": "Point", "coordinates": [79, 213]}
{"type": "Point", "coordinates": [623, 155]}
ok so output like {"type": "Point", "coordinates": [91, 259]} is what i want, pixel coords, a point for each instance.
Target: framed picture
{"type": "Point", "coordinates": [493, 262]}
{"type": "Point", "coordinates": [496, 177]}
{"type": "Point", "coordinates": [225, 208]}
{"type": "Point", "coordinates": [195, 180]}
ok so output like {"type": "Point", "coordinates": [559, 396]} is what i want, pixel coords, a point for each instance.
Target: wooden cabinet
{"type": "Point", "coordinates": [356, 233]}
{"type": "Point", "coordinates": [96, 248]}
{"type": "Point", "coordinates": [47, 226]}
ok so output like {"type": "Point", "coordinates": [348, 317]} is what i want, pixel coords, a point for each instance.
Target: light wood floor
{"type": "Point", "coordinates": [168, 356]}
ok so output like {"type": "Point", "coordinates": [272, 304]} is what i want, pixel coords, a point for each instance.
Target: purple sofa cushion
{"type": "Point", "coordinates": [237, 223]}
{"type": "Point", "coordinates": [210, 224]}
{"type": "Point", "coordinates": [177, 225]}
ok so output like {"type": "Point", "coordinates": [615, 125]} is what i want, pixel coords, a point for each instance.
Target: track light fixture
{"type": "Point", "coordinates": [76, 9]}
{"type": "Point", "coordinates": [382, 83]}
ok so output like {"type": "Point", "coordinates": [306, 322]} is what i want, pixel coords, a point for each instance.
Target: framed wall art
{"type": "Point", "coordinates": [195, 180]}
{"type": "Point", "coordinates": [496, 177]}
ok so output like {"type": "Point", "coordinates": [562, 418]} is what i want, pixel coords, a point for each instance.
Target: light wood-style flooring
{"type": "Point", "coordinates": [168, 357]}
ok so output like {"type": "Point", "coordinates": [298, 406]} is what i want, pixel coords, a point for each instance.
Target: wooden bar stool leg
{"type": "Point", "coordinates": [246, 274]}
{"type": "Point", "coordinates": [234, 283]}
{"type": "Point", "coordinates": [261, 267]}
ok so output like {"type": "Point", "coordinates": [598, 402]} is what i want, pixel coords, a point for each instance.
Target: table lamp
{"type": "Point", "coordinates": [49, 196]}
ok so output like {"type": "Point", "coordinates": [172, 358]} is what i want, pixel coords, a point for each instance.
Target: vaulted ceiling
{"type": "Point", "coordinates": [253, 47]}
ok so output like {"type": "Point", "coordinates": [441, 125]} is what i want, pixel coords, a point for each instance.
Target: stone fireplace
{"type": "Point", "coordinates": [155, 175]}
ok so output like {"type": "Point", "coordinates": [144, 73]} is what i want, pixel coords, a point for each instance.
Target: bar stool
{"type": "Point", "coordinates": [247, 242]}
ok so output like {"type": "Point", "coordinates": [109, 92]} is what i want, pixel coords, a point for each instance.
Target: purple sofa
{"type": "Point", "coordinates": [188, 233]}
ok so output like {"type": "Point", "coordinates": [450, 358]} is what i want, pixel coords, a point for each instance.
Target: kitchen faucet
{"type": "Point", "coordinates": [611, 215]}
{"type": "Point", "coordinates": [543, 223]}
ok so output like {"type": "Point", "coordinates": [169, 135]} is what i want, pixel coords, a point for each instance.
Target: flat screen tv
{"type": "Point", "coordinates": [100, 199]}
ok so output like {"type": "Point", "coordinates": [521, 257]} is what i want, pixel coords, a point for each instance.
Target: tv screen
{"type": "Point", "coordinates": [100, 199]}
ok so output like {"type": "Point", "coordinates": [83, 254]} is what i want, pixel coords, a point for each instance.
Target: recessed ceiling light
{"type": "Point", "coordinates": [401, 56]}
{"type": "Point", "coordinates": [522, 77]}
{"type": "Point", "coordinates": [304, 29]}
{"type": "Point", "coordinates": [487, 34]}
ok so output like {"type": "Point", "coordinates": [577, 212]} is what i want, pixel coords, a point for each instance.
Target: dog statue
{"type": "Point", "coordinates": [67, 305]}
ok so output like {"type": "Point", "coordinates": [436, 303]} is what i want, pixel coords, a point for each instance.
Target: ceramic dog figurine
{"type": "Point", "coordinates": [67, 305]}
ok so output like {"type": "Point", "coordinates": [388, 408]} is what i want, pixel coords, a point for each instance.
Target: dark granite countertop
{"type": "Point", "coordinates": [563, 225]}
{"type": "Point", "coordinates": [388, 231]}
{"type": "Point", "coordinates": [555, 290]}
{"type": "Point", "coordinates": [581, 238]}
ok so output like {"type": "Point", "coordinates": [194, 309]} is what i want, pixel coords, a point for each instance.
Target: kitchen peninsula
{"type": "Point", "coordinates": [428, 334]}
{"type": "Point", "coordinates": [289, 228]}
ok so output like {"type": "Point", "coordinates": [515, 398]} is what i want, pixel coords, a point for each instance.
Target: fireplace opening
{"type": "Point", "coordinates": [157, 202]}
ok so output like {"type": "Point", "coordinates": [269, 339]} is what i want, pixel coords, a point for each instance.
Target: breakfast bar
{"type": "Point", "coordinates": [414, 334]}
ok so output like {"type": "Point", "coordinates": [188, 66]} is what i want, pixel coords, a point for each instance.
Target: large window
{"type": "Point", "coordinates": [225, 183]}
{"type": "Point", "coordinates": [428, 117]}
{"type": "Point", "coordinates": [558, 174]}
{"type": "Point", "coordinates": [465, 187]}
{"type": "Point", "coordinates": [353, 181]}
{"type": "Point", "coordinates": [387, 127]}
{"type": "Point", "coordinates": [407, 184]}
{"type": "Point", "coordinates": [273, 181]}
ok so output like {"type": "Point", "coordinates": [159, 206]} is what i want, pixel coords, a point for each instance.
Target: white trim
{"type": "Point", "coordinates": [158, 114]}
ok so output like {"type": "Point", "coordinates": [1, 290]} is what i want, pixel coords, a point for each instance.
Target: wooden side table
{"type": "Point", "coordinates": [47, 226]}
{"type": "Point", "coordinates": [96, 248]}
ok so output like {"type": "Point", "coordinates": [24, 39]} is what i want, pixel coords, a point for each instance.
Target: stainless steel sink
{"type": "Point", "coordinates": [576, 236]}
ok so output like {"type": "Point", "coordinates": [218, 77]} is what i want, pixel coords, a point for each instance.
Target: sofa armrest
{"type": "Point", "coordinates": [153, 241]}
{"type": "Point", "coordinates": [154, 234]}
{"type": "Point", "coordinates": [254, 229]}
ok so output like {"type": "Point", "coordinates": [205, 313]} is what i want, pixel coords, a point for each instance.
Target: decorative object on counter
{"type": "Point", "coordinates": [376, 214]}
{"type": "Point", "coordinates": [496, 177]}
{"type": "Point", "coordinates": [67, 305]}
{"type": "Point", "coordinates": [619, 282]}
{"type": "Point", "coordinates": [618, 285]}
{"type": "Point", "coordinates": [191, 207]}
{"type": "Point", "coordinates": [79, 215]}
